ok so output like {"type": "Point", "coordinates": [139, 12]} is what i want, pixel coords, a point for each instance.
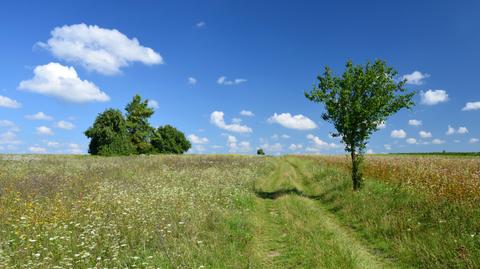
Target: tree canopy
{"type": "Point", "coordinates": [357, 102]}
{"type": "Point", "coordinates": [114, 134]}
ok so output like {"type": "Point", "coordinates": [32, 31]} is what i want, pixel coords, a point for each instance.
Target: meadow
{"type": "Point", "coordinates": [226, 211]}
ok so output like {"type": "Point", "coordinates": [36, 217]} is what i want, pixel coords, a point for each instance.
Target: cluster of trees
{"type": "Point", "coordinates": [113, 133]}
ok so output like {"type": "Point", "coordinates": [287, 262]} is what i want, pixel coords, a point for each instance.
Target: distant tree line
{"type": "Point", "coordinates": [113, 133]}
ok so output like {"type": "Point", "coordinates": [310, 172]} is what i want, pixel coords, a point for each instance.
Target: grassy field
{"type": "Point", "coordinates": [238, 212]}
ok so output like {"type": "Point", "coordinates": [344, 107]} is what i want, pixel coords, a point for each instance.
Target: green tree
{"type": "Point", "coordinates": [260, 151]}
{"type": "Point", "coordinates": [109, 135]}
{"type": "Point", "coordinates": [138, 126]}
{"type": "Point", "coordinates": [167, 139]}
{"type": "Point", "coordinates": [357, 102]}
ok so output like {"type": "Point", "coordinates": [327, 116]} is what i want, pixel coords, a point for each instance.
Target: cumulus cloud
{"type": "Point", "coordinates": [247, 113]}
{"type": "Point", "coordinates": [398, 134]}
{"type": "Point", "coordinates": [473, 140]}
{"type": "Point", "coordinates": [433, 97]}
{"type": "Point", "coordinates": [387, 146]}
{"type": "Point", "coordinates": [39, 116]}
{"type": "Point", "coordinates": [416, 78]}
{"type": "Point", "coordinates": [414, 122]}
{"type": "Point", "coordinates": [450, 130]}
{"type": "Point", "coordinates": [152, 104]}
{"type": "Point", "coordinates": [382, 125]}
{"type": "Point", "coordinates": [9, 138]}
{"type": "Point", "coordinates": [425, 134]}
{"type": "Point", "coordinates": [60, 81]}
{"type": "Point", "coordinates": [197, 140]}
{"type": "Point", "coordinates": [201, 24]}
{"type": "Point", "coordinates": [74, 148]}
{"type": "Point", "coordinates": [66, 125]}
{"type": "Point", "coordinates": [319, 144]}
{"type": "Point", "coordinates": [44, 130]}
{"type": "Point", "coordinates": [294, 147]}
{"type": "Point", "coordinates": [224, 81]}
{"type": "Point", "coordinates": [192, 81]}
{"type": "Point", "coordinates": [8, 102]}
{"type": "Point", "coordinates": [98, 49]}
{"type": "Point", "coordinates": [437, 141]}
{"type": "Point", "coordinates": [298, 122]}
{"type": "Point", "coordinates": [462, 130]}
{"type": "Point", "coordinates": [53, 144]}
{"type": "Point", "coordinates": [471, 106]}
{"type": "Point", "coordinates": [237, 147]}
{"type": "Point", "coordinates": [37, 150]}
{"type": "Point", "coordinates": [411, 140]}
{"type": "Point", "coordinates": [216, 118]}
{"type": "Point", "coordinates": [273, 148]}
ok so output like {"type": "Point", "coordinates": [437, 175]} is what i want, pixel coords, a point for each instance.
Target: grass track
{"type": "Point", "coordinates": [294, 230]}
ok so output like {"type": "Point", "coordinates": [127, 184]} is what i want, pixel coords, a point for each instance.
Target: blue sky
{"type": "Point", "coordinates": [204, 62]}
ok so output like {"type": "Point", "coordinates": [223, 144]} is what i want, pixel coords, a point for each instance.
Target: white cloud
{"type": "Point", "coordinates": [216, 118]}
{"type": "Point", "coordinates": [74, 148]}
{"type": "Point", "coordinates": [66, 125]}
{"type": "Point", "coordinates": [388, 146]}
{"type": "Point", "coordinates": [7, 123]}
{"type": "Point", "coordinates": [437, 141]}
{"type": "Point", "coordinates": [9, 138]}
{"type": "Point", "coordinates": [398, 134]}
{"type": "Point", "coordinates": [37, 150]}
{"type": "Point", "coordinates": [60, 81]}
{"type": "Point", "coordinates": [236, 120]}
{"type": "Point", "coordinates": [425, 134]}
{"type": "Point", "coordinates": [319, 144]}
{"type": "Point", "coordinates": [197, 140]}
{"type": "Point", "coordinates": [224, 81]}
{"type": "Point", "coordinates": [450, 130]}
{"type": "Point", "coordinates": [44, 130]}
{"type": "Point", "coordinates": [237, 147]}
{"type": "Point", "coordinates": [294, 147]}
{"type": "Point", "coordinates": [433, 97]}
{"type": "Point", "coordinates": [415, 122]}
{"type": "Point", "coordinates": [411, 140]}
{"type": "Point", "coordinates": [275, 148]}
{"type": "Point", "coordinates": [284, 136]}
{"type": "Point", "coordinates": [415, 78]}
{"type": "Point", "coordinates": [462, 130]}
{"type": "Point", "coordinates": [8, 102]}
{"type": "Point", "coordinates": [473, 140]}
{"type": "Point", "coordinates": [201, 24]}
{"type": "Point", "coordinates": [382, 125]}
{"type": "Point", "coordinates": [471, 106]}
{"type": "Point", "coordinates": [152, 104]}
{"type": "Point", "coordinates": [192, 81]}
{"type": "Point", "coordinates": [298, 122]}
{"type": "Point", "coordinates": [39, 116]}
{"type": "Point", "coordinates": [53, 144]}
{"type": "Point", "coordinates": [247, 113]}
{"type": "Point", "coordinates": [370, 151]}
{"type": "Point", "coordinates": [98, 49]}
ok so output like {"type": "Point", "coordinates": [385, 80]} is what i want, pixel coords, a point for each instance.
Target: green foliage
{"type": "Point", "coordinates": [260, 152]}
{"type": "Point", "coordinates": [109, 135]}
{"type": "Point", "coordinates": [112, 134]}
{"type": "Point", "coordinates": [357, 102]}
{"type": "Point", "coordinates": [138, 126]}
{"type": "Point", "coordinates": [167, 139]}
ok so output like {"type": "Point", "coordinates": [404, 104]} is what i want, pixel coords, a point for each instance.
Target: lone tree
{"type": "Point", "coordinates": [260, 151]}
{"type": "Point", "coordinates": [357, 102]}
{"type": "Point", "coordinates": [138, 126]}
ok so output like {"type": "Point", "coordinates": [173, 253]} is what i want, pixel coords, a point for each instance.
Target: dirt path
{"type": "Point", "coordinates": [295, 231]}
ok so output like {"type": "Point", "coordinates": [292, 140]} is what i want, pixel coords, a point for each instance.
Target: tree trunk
{"type": "Point", "coordinates": [356, 175]}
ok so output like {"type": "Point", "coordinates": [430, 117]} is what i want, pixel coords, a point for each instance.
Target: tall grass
{"type": "Point", "coordinates": [145, 212]}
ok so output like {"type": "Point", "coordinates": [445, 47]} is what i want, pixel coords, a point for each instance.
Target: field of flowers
{"type": "Point", "coordinates": [144, 212]}
{"type": "Point", "coordinates": [456, 179]}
